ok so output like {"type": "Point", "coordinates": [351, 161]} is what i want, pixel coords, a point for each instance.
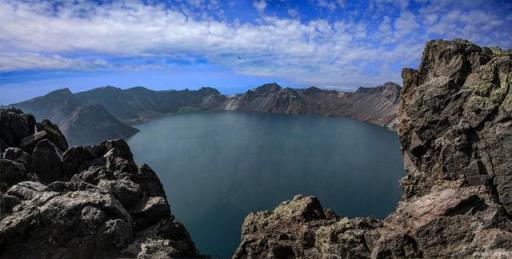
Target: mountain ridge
{"type": "Point", "coordinates": [122, 108]}
{"type": "Point", "coordinates": [63, 108]}
{"type": "Point", "coordinates": [377, 106]}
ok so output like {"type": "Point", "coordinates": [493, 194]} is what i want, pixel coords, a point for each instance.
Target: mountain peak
{"type": "Point", "coordinates": [387, 87]}
{"type": "Point", "coordinates": [392, 86]}
{"type": "Point", "coordinates": [60, 92]}
{"type": "Point", "coordinates": [268, 88]}
{"type": "Point", "coordinates": [111, 88]}
{"type": "Point", "coordinates": [208, 90]}
{"type": "Point", "coordinates": [312, 90]}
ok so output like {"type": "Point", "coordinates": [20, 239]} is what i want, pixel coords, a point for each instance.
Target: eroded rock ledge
{"type": "Point", "coordinates": [79, 202]}
{"type": "Point", "coordinates": [455, 128]}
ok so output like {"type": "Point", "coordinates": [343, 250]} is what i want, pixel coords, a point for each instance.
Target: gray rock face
{"type": "Point", "coordinates": [88, 202]}
{"type": "Point", "coordinates": [375, 105]}
{"type": "Point", "coordinates": [455, 129]}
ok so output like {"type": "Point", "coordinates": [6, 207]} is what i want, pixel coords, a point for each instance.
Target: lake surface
{"type": "Point", "coordinates": [217, 167]}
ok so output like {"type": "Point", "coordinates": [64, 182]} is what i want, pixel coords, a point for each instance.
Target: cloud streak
{"type": "Point", "coordinates": [327, 52]}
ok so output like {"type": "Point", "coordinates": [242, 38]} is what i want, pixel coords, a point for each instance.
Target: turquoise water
{"type": "Point", "coordinates": [217, 167]}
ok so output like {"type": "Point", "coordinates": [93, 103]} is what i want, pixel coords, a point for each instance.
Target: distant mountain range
{"type": "Point", "coordinates": [108, 112]}
{"type": "Point", "coordinates": [375, 105]}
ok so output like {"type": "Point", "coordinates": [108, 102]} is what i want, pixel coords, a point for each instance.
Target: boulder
{"type": "Point", "coordinates": [17, 155]}
{"type": "Point", "coordinates": [151, 211]}
{"type": "Point", "coordinates": [47, 162]}
{"type": "Point", "coordinates": [119, 147]}
{"type": "Point", "coordinates": [147, 177]}
{"type": "Point", "coordinates": [76, 159]}
{"type": "Point", "coordinates": [126, 191]}
{"type": "Point", "coordinates": [7, 203]}
{"type": "Point", "coordinates": [15, 125]}
{"type": "Point", "coordinates": [303, 208]}
{"type": "Point", "coordinates": [45, 130]}
{"type": "Point", "coordinates": [29, 142]}
{"type": "Point", "coordinates": [11, 172]}
{"type": "Point", "coordinates": [28, 190]}
{"type": "Point", "coordinates": [93, 175]}
{"type": "Point", "coordinates": [54, 134]}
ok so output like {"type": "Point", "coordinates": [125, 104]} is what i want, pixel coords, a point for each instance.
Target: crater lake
{"type": "Point", "coordinates": [216, 167]}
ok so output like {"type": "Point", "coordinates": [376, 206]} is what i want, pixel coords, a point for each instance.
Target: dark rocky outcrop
{"type": "Point", "coordinates": [80, 202]}
{"type": "Point", "coordinates": [14, 126]}
{"type": "Point", "coordinates": [54, 134]}
{"type": "Point", "coordinates": [47, 162]}
{"type": "Point", "coordinates": [455, 129]}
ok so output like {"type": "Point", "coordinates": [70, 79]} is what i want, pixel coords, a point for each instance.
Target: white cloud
{"type": "Point", "coordinates": [316, 52]}
{"type": "Point", "coordinates": [293, 13]}
{"type": "Point", "coordinates": [406, 23]}
{"type": "Point", "coordinates": [27, 61]}
{"type": "Point", "coordinates": [328, 4]}
{"type": "Point", "coordinates": [341, 3]}
{"type": "Point", "coordinates": [260, 5]}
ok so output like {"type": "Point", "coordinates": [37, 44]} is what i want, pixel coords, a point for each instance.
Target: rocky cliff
{"type": "Point", "coordinates": [376, 105]}
{"type": "Point", "coordinates": [79, 202]}
{"type": "Point", "coordinates": [455, 128]}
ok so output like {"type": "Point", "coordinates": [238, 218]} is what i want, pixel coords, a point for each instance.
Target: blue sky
{"type": "Point", "coordinates": [230, 45]}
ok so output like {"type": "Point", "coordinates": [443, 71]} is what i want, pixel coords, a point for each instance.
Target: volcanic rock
{"type": "Point", "coordinates": [88, 202]}
{"type": "Point", "coordinates": [455, 130]}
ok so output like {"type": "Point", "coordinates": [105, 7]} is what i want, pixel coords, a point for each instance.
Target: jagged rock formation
{"type": "Point", "coordinates": [79, 202]}
{"type": "Point", "coordinates": [455, 128]}
{"type": "Point", "coordinates": [376, 105]}
{"type": "Point", "coordinates": [106, 113]}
